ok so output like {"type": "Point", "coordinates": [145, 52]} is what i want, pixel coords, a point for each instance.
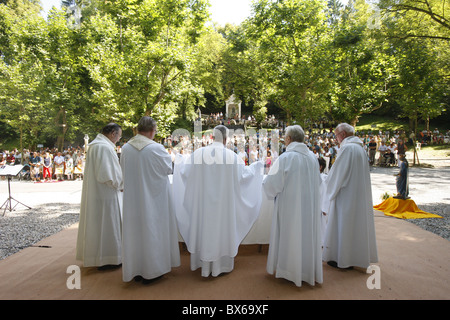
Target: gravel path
{"type": "Point", "coordinates": [56, 206]}
{"type": "Point", "coordinates": [23, 228]}
{"type": "Point", "coordinates": [441, 227]}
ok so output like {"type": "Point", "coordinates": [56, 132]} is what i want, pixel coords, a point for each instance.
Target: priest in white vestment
{"type": "Point", "coordinates": [295, 249]}
{"type": "Point", "coordinates": [218, 201]}
{"type": "Point", "coordinates": [99, 241]}
{"type": "Point", "coordinates": [350, 236]}
{"type": "Point", "coordinates": [150, 234]}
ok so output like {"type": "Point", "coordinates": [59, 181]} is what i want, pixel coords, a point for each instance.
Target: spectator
{"type": "Point", "coordinates": [11, 158]}
{"type": "Point", "coordinates": [35, 167]}
{"type": "Point", "coordinates": [68, 171]}
{"type": "Point", "coordinates": [79, 167]}
{"type": "Point", "coordinates": [268, 162]}
{"type": "Point", "coordinates": [47, 167]}
{"type": "Point", "coordinates": [401, 150]}
{"type": "Point", "coordinates": [372, 151]}
{"type": "Point", "coordinates": [59, 166]}
{"type": "Point", "coordinates": [383, 150]}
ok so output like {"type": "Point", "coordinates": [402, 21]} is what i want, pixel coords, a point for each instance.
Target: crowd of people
{"type": "Point", "coordinates": [131, 213]}
{"type": "Point", "coordinates": [382, 148]}
{"type": "Point", "coordinates": [219, 118]}
{"type": "Point", "coordinates": [426, 137]}
{"type": "Point", "coordinates": [47, 164]}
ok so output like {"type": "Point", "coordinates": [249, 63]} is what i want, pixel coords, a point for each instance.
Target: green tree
{"type": "Point", "coordinates": [418, 33]}
{"type": "Point", "coordinates": [419, 88]}
{"type": "Point", "coordinates": [292, 40]}
{"type": "Point", "coordinates": [424, 19]}
{"type": "Point", "coordinates": [21, 74]}
{"type": "Point", "coordinates": [207, 68]}
{"type": "Point", "coordinates": [21, 8]}
{"type": "Point", "coordinates": [362, 65]}
{"type": "Point", "coordinates": [140, 54]}
{"type": "Point", "coordinates": [64, 96]}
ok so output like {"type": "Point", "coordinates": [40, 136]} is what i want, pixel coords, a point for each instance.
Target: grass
{"type": "Point", "coordinates": [384, 124]}
{"type": "Point", "coordinates": [435, 151]}
{"type": "Point", "coordinates": [373, 122]}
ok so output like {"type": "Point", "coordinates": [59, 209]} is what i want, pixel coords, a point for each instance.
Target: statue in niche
{"type": "Point", "coordinates": [233, 108]}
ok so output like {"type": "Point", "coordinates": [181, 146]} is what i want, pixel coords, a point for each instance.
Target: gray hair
{"type": "Point", "coordinates": [146, 124]}
{"type": "Point", "coordinates": [348, 129]}
{"type": "Point", "coordinates": [220, 133]}
{"type": "Point", "coordinates": [296, 133]}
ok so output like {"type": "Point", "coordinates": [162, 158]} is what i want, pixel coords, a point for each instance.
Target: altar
{"type": "Point", "coordinates": [260, 231]}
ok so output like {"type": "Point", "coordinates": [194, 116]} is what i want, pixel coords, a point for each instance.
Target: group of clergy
{"type": "Point", "coordinates": [131, 215]}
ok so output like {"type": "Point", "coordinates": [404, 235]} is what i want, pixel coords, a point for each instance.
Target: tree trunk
{"type": "Point", "coordinates": [63, 125]}
{"type": "Point", "coordinates": [21, 142]}
{"type": "Point", "coordinates": [288, 118]}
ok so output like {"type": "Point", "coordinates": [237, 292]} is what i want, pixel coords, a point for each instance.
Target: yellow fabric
{"type": "Point", "coordinates": [403, 209]}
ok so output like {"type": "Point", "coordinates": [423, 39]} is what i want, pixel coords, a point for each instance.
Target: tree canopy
{"type": "Point", "coordinates": [93, 62]}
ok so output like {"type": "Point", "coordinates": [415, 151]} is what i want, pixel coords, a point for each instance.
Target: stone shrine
{"type": "Point", "coordinates": [233, 108]}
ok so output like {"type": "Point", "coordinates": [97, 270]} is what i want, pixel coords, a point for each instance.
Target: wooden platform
{"type": "Point", "coordinates": [414, 264]}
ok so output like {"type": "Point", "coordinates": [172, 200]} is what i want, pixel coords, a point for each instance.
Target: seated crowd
{"type": "Point", "coordinates": [216, 119]}
{"type": "Point", "coordinates": [47, 164]}
{"type": "Point", "coordinates": [383, 148]}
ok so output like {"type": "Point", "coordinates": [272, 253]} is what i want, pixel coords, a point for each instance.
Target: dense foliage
{"type": "Point", "coordinates": [94, 61]}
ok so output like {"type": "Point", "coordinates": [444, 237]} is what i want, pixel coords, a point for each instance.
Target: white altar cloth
{"type": "Point", "coordinates": [260, 231]}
